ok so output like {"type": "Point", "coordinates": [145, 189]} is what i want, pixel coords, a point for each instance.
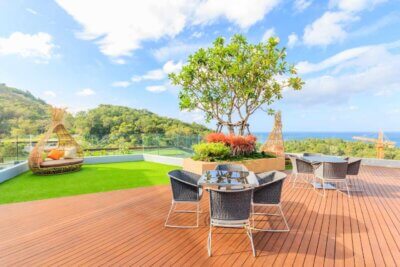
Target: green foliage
{"type": "Point", "coordinates": [339, 147]}
{"type": "Point", "coordinates": [233, 80]}
{"type": "Point", "coordinates": [211, 151]}
{"type": "Point", "coordinates": [110, 125]}
{"type": "Point", "coordinates": [21, 113]}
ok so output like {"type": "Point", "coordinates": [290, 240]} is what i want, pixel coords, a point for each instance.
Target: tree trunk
{"type": "Point", "coordinates": [242, 127]}
{"type": "Point", "coordinates": [231, 129]}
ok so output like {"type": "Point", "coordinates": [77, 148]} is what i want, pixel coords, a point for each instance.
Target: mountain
{"type": "Point", "coordinates": [21, 113]}
{"type": "Point", "coordinates": [118, 124]}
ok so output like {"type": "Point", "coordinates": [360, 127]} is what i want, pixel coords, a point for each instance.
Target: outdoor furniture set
{"type": "Point", "coordinates": [234, 192]}
{"type": "Point", "coordinates": [324, 172]}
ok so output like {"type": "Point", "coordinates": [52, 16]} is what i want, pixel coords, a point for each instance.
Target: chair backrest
{"type": "Point", "coordinates": [270, 192]}
{"type": "Point", "coordinates": [184, 185]}
{"type": "Point", "coordinates": [230, 205]}
{"type": "Point", "coordinates": [300, 165]}
{"type": "Point", "coordinates": [231, 167]}
{"type": "Point", "coordinates": [332, 170]}
{"type": "Point", "coordinates": [354, 167]}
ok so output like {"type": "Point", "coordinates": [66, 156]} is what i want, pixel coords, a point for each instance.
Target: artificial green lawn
{"type": "Point", "coordinates": [91, 179]}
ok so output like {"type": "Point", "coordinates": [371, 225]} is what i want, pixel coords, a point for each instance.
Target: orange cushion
{"type": "Point", "coordinates": [56, 154]}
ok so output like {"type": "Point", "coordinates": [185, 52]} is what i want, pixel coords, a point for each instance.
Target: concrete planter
{"type": "Point", "coordinates": [255, 165]}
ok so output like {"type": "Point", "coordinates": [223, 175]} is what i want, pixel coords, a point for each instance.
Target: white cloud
{"type": "Point", "coordinates": [305, 67]}
{"type": "Point", "coordinates": [123, 84]}
{"type": "Point", "coordinates": [154, 75]}
{"type": "Point", "coordinates": [301, 5]}
{"type": "Point", "coordinates": [328, 29]}
{"type": "Point", "coordinates": [355, 5]}
{"type": "Point", "coordinates": [119, 27]}
{"type": "Point", "coordinates": [388, 19]}
{"type": "Point", "coordinates": [268, 34]}
{"type": "Point", "coordinates": [49, 93]}
{"type": "Point", "coordinates": [86, 92]}
{"type": "Point", "coordinates": [170, 66]}
{"type": "Point", "coordinates": [243, 13]}
{"type": "Point", "coordinates": [192, 116]}
{"type": "Point", "coordinates": [363, 70]}
{"type": "Point", "coordinates": [159, 74]}
{"type": "Point", "coordinates": [32, 11]}
{"type": "Point", "coordinates": [176, 50]}
{"type": "Point", "coordinates": [156, 88]}
{"type": "Point", "coordinates": [331, 26]}
{"type": "Point", "coordinates": [197, 34]}
{"type": "Point", "coordinates": [38, 45]}
{"type": "Point", "coordinates": [136, 78]}
{"type": "Point", "coordinates": [119, 61]}
{"type": "Point", "coordinates": [293, 39]}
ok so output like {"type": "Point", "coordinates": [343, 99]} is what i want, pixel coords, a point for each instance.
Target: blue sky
{"type": "Point", "coordinates": [80, 54]}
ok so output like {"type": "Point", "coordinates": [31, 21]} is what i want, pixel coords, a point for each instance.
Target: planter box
{"type": "Point", "coordinates": [255, 165]}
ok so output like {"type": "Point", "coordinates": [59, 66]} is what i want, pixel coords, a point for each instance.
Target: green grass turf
{"type": "Point", "coordinates": [91, 179]}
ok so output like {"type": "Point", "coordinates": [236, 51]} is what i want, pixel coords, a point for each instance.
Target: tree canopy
{"type": "Point", "coordinates": [230, 81]}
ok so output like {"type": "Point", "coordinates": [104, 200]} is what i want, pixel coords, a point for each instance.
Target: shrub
{"type": "Point", "coordinates": [242, 145]}
{"type": "Point", "coordinates": [215, 138]}
{"type": "Point", "coordinates": [211, 151]}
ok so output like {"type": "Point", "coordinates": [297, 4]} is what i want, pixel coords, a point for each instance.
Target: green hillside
{"type": "Point", "coordinates": [119, 124]}
{"type": "Point", "coordinates": [21, 113]}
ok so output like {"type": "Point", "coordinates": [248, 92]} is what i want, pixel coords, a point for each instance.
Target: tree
{"type": "Point", "coordinates": [230, 81]}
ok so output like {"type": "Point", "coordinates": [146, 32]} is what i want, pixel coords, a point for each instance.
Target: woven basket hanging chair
{"type": "Point", "coordinates": [37, 158]}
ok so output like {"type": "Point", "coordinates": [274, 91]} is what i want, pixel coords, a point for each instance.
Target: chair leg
{"type": "Point", "coordinates": [284, 219]}
{"type": "Point", "coordinates": [209, 242]}
{"type": "Point", "coordinates": [169, 213]}
{"type": "Point", "coordinates": [322, 184]}
{"type": "Point", "coordinates": [173, 209]}
{"type": "Point", "coordinates": [198, 214]}
{"type": "Point", "coordinates": [250, 235]}
{"type": "Point", "coordinates": [280, 213]}
{"type": "Point", "coordinates": [252, 214]}
{"type": "Point", "coordinates": [347, 187]}
{"type": "Point", "coordinates": [294, 181]}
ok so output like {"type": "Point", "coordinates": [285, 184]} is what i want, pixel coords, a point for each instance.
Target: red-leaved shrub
{"type": "Point", "coordinates": [216, 138]}
{"type": "Point", "coordinates": [240, 145]}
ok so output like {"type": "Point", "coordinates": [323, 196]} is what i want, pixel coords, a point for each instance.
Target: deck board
{"type": "Point", "coordinates": [126, 228]}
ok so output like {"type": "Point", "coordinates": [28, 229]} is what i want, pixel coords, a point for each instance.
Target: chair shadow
{"type": "Point", "coordinates": [274, 242]}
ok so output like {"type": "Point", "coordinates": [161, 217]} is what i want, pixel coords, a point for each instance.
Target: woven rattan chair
{"type": "Point", "coordinates": [231, 167]}
{"type": "Point", "coordinates": [353, 169]}
{"type": "Point", "coordinates": [269, 194]}
{"type": "Point", "coordinates": [230, 209]}
{"type": "Point", "coordinates": [64, 141]}
{"type": "Point", "coordinates": [184, 190]}
{"type": "Point", "coordinates": [301, 168]}
{"type": "Point", "coordinates": [332, 172]}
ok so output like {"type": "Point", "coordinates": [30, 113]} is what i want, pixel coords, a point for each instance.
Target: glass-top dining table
{"type": "Point", "coordinates": [323, 158]}
{"type": "Point", "coordinates": [228, 180]}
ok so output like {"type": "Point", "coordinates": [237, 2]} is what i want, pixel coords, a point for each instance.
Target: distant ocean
{"type": "Point", "coordinates": [392, 136]}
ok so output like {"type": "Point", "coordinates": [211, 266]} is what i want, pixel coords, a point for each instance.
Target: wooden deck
{"type": "Point", "coordinates": [126, 228]}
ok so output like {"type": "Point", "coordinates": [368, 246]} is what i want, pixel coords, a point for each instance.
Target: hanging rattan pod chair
{"type": "Point", "coordinates": [72, 152]}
